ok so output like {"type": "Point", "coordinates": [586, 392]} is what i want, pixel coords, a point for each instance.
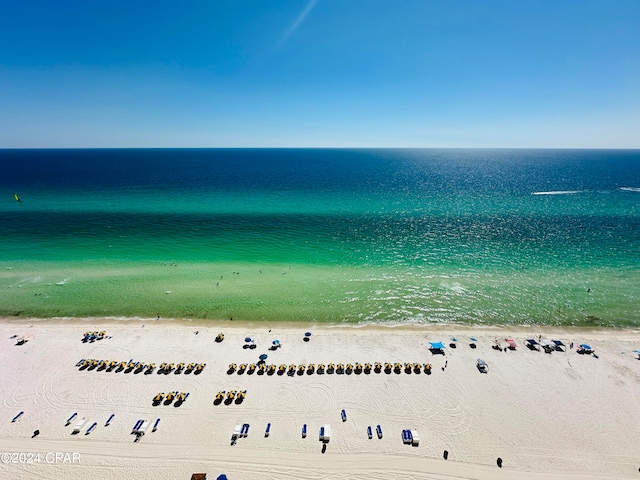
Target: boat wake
{"type": "Point", "coordinates": [558, 192]}
{"type": "Point", "coordinates": [630, 189]}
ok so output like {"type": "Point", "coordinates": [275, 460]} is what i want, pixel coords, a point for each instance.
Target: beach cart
{"type": "Point", "coordinates": [79, 424]}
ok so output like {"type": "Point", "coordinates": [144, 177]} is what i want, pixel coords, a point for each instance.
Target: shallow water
{"type": "Point", "coordinates": [372, 236]}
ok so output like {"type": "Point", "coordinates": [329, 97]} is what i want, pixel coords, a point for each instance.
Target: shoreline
{"type": "Point", "coordinates": [548, 416]}
{"type": "Point", "coordinates": [385, 327]}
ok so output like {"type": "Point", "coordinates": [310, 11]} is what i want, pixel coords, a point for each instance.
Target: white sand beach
{"type": "Point", "coordinates": [547, 416]}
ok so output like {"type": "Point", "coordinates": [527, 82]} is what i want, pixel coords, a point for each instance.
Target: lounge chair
{"type": "Point", "coordinates": [369, 432]}
{"type": "Point", "coordinates": [267, 430]}
{"type": "Point", "coordinates": [379, 431]}
{"type": "Point", "coordinates": [343, 414]}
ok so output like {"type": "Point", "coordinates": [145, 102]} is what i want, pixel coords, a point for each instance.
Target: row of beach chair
{"type": "Point", "coordinates": [137, 367]}
{"type": "Point", "coordinates": [93, 336]}
{"type": "Point", "coordinates": [179, 397]}
{"type": "Point", "coordinates": [339, 368]}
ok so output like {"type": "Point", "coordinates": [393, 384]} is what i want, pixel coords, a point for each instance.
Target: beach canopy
{"type": "Point", "coordinates": [222, 476]}
{"type": "Point", "coordinates": [637, 351]}
{"type": "Point", "coordinates": [531, 341]}
{"type": "Point", "coordinates": [276, 342]}
{"type": "Point", "coordinates": [473, 339]}
{"type": "Point", "coordinates": [308, 334]}
{"type": "Point", "coordinates": [437, 345]}
{"type": "Point", "coordinates": [547, 342]}
{"type": "Point", "coordinates": [263, 356]}
{"type": "Point", "coordinates": [585, 346]}
{"type": "Point", "coordinates": [481, 362]}
{"type": "Point", "coordinates": [558, 343]}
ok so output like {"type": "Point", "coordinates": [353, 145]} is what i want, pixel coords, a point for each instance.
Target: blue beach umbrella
{"type": "Point", "coordinates": [263, 356]}
{"type": "Point", "coordinates": [585, 346]}
{"type": "Point", "coordinates": [473, 339]}
{"type": "Point", "coordinates": [247, 339]}
{"type": "Point", "coordinates": [222, 476]}
{"type": "Point", "coordinates": [276, 342]}
{"type": "Point", "coordinates": [308, 334]}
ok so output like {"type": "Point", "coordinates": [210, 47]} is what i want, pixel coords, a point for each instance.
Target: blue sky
{"type": "Point", "coordinates": [320, 73]}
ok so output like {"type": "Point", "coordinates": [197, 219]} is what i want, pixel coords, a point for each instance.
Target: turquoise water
{"type": "Point", "coordinates": [371, 236]}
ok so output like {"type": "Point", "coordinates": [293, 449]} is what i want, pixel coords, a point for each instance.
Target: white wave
{"type": "Point", "coordinates": [630, 189]}
{"type": "Point", "coordinates": [558, 192]}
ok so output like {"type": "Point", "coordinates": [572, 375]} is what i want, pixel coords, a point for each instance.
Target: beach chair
{"type": "Point", "coordinates": [155, 425]}
{"type": "Point", "coordinates": [91, 428]}
{"type": "Point", "coordinates": [17, 417]}
{"type": "Point", "coordinates": [379, 431]}
{"type": "Point", "coordinates": [108, 422]}
{"type": "Point", "coordinates": [343, 414]}
{"type": "Point", "coordinates": [70, 419]}
{"type": "Point", "coordinates": [369, 432]}
{"type": "Point", "coordinates": [136, 426]}
{"type": "Point", "coordinates": [304, 431]}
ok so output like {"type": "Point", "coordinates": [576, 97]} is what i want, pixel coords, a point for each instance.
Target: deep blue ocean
{"type": "Point", "coordinates": [322, 235]}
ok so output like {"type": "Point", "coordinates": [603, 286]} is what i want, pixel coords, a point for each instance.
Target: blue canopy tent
{"type": "Point", "coordinates": [559, 345]}
{"type": "Point", "coordinates": [584, 346]}
{"type": "Point", "coordinates": [437, 347]}
{"type": "Point", "coordinates": [222, 476]}
{"type": "Point", "coordinates": [531, 344]}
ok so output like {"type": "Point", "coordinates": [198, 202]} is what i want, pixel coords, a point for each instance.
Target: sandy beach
{"type": "Point", "coordinates": [547, 416]}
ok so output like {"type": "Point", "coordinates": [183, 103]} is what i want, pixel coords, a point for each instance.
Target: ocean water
{"type": "Point", "coordinates": [341, 236]}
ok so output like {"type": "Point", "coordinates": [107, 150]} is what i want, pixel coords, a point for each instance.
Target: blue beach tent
{"type": "Point", "coordinates": [585, 346]}
{"type": "Point", "coordinates": [436, 345]}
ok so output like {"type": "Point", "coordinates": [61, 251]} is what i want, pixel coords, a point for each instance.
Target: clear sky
{"type": "Point", "coordinates": [320, 73]}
